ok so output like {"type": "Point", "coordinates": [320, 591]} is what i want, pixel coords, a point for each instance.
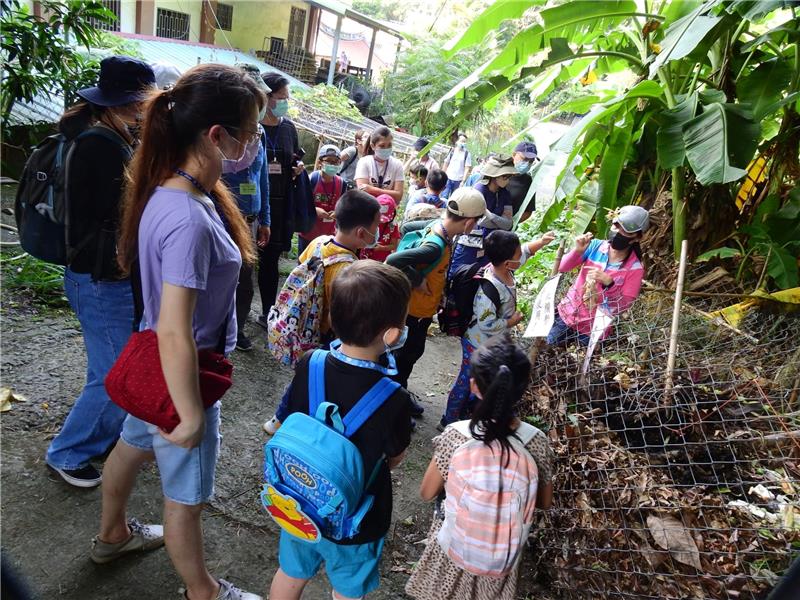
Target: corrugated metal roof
{"type": "Point", "coordinates": [182, 55]}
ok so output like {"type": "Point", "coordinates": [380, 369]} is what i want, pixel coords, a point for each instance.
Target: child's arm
{"type": "Point", "coordinates": [544, 496]}
{"type": "Point", "coordinates": [531, 248]}
{"type": "Point", "coordinates": [432, 483]}
{"type": "Point", "coordinates": [407, 261]}
{"type": "Point", "coordinates": [393, 461]}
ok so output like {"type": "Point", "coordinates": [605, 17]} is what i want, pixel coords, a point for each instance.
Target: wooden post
{"type": "Point", "coordinates": [538, 344]}
{"type": "Point", "coordinates": [335, 49]}
{"type": "Point", "coordinates": [676, 315]}
{"type": "Point", "coordinates": [370, 55]}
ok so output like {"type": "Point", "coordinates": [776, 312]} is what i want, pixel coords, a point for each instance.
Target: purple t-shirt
{"type": "Point", "coordinates": [183, 242]}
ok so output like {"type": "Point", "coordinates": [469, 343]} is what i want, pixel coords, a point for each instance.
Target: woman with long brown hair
{"type": "Point", "coordinates": [183, 228]}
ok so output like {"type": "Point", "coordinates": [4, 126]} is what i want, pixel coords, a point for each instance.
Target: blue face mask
{"type": "Point", "coordinates": [523, 167]}
{"type": "Point", "coordinates": [281, 108]}
{"type": "Point", "coordinates": [383, 153]}
{"type": "Point", "coordinates": [401, 341]}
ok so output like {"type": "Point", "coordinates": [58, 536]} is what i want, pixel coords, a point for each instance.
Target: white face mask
{"type": "Point", "coordinates": [377, 237]}
{"type": "Point", "coordinates": [383, 153]}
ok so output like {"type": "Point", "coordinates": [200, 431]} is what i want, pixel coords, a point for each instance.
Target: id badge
{"type": "Point", "coordinates": [247, 189]}
{"type": "Point", "coordinates": [275, 168]}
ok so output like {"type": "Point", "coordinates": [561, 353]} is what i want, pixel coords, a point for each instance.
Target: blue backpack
{"type": "Point", "coordinates": [315, 475]}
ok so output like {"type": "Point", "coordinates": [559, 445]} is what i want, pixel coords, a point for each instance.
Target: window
{"type": "Point", "coordinates": [172, 24]}
{"type": "Point", "coordinates": [297, 27]}
{"type": "Point", "coordinates": [276, 45]}
{"type": "Point", "coordinates": [225, 16]}
{"type": "Point", "coordinates": [114, 7]}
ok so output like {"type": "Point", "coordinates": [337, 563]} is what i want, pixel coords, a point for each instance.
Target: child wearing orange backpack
{"type": "Point", "coordinates": [495, 470]}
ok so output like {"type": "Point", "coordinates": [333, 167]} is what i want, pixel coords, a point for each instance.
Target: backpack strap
{"type": "Point", "coordinates": [368, 405]}
{"type": "Point", "coordinates": [108, 134]}
{"type": "Point", "coordinates": [526, 432]}
{"type": "Point", "coordinates": [491, 292]}
{"type": "Point", "coordinates": [350, 161]}
{"type": "Point", "coordinates": [316, 380]}
{"type": "Point", "coordinates": [431, 237]}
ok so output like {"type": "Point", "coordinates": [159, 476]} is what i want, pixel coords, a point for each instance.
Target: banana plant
{"type": "Point", "coordinates": [721, 82]}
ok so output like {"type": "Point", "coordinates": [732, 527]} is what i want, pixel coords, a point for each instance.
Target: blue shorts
{"type": "Point", "coordinates": [187, 476]}
{"type": "Point", "coordinates": [352, 570]}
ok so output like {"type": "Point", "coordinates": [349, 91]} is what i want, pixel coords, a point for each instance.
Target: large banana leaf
{"type": "Point", "coordinates": [764, 86]}
{"type": "Point", "coordinates": [489, 20]}
{"type": "Point", "coordinates": [684, 35]}
{"type": "Point", "coordinates": [613, 161]}
{"type": "Point", "coordinates": [669, 139]}
{"type": "Point", "coordinates": [753, 9]}
{"type": "Point", "coordinates": [720, 142]}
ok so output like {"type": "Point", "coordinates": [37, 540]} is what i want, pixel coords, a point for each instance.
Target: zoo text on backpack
{"type": "Point", "coordinates": [316, 481]}
{"type": "Point", "coordinates": [42, 208]}
{"type": "Point", "coordinates": [294, 320]}
{"type": "Point", "coordinates": [489, 505]}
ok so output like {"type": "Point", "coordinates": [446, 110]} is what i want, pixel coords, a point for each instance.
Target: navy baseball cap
{"type": "Point", "coordinates": [527, 149]}
{"type": "Point", "coordinates": [122, 80]}
{"type": "Point", "coordinates": [420, 144]}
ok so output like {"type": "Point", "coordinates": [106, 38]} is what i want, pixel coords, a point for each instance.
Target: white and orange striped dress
{"type": "Point", "coordinates": [435, 576]}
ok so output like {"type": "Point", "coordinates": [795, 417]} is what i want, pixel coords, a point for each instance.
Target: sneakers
{"type": "Point", "coordinates": [262, 320]}
{"type": "Point", "coordinates": [143, 537]}
{"type": "Point", "coordinates": [228, 591]}
{"type": "Point", "coordinates": [272, 425]}
{"type": "Point", "coordinates": [85, 477]}
{"type": "Point", "coordinates": [243, 343]}
{"type": "Point", "coordinates": [416, 408]}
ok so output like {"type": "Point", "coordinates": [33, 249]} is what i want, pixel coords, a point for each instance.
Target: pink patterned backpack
{"type": "Point", "coordinates": [489, 506]}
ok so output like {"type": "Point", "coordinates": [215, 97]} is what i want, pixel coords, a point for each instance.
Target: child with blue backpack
{"type": "Point", "coordinates": [327, 468]}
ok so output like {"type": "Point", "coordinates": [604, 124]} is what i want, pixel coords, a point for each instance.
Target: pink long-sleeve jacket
{"type": "Point", "coordinates": [615, 299]}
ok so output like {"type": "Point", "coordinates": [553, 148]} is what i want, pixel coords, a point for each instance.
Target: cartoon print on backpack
{"type": "Point", "coordinates": [286, 512]}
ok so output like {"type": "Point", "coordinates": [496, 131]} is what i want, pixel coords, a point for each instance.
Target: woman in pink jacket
{"type": "Point", "coordinates": [611, 276]}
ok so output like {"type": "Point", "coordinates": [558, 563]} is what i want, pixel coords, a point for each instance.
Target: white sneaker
{"type": "Point", "coordinates": [228, 591]}
{"type": "Point", "coordinates": [272, 425]}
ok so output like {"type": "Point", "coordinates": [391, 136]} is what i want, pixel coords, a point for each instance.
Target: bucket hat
{"type": "Point", "coordinates": [497, 166]}
{"type": "Point", "coordinates": [122, 80]}
{"type": "Point", "coordinates": [467, 202]}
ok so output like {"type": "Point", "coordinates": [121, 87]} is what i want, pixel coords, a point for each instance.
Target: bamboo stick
{"type": "Point", "coordinates": [676, 315]}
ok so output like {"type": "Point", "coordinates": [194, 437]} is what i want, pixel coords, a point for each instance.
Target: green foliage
{"type": "Point", "coordinates": [330, 100]}
{"type": "Point", "coordinates": [773, 236]}
{"type": "Point", "coordinates": [41, 281]}
{"type": "Point", "coordinates": [379, 9]}
{"type": "Point", "coordinates": [38, 55]}
{"type": "Point", "coordinates": [423, 74]}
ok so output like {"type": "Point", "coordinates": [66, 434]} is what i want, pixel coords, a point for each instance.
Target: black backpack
{"type": "Point", "coordinates": [456, 316]}
{"type": "Point", "coordinates": [41, 207]}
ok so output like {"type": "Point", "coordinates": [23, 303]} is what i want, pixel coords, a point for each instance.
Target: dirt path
{"type": "Point", "coordinates": [47, 525]}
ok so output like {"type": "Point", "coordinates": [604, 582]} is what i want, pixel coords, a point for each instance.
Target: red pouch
{"type": "Point", "coordinates": [136, 382]}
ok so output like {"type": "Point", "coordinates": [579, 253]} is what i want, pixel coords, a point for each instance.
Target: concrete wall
{"type": "Point", "coordinates": [127, 16]}
{"type": "Point", "coordinates": [253, 21]}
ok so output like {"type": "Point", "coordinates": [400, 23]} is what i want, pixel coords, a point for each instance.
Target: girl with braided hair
{"type": "Point", "coordinates": [500, 373]}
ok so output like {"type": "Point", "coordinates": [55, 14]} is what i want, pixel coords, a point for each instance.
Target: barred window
{"type": "Point", "coordinates": [114, 7]}
{"type": "Point", "coordinates": [172, 24]}
{"type": "Point", "coordinates": [225, 16]}
{"type": "Point", "coordinates": [297, 26]}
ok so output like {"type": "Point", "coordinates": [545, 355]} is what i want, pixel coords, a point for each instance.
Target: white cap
{"type": "Point", "coordinates": [632, 219]}
{"type": "Point", "coordinates": [166, 74]}
{"type": "Point", "coordinates": [467, 202]}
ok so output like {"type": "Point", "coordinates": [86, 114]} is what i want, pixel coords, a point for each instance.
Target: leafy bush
{"type": "Point", "coordinates": [330, 100]}
{"type": "Point", "coordinates": [42, 282]}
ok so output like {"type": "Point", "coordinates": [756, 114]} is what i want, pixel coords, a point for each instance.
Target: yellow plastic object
{"type": "Point", "coordinates": [735, 313]}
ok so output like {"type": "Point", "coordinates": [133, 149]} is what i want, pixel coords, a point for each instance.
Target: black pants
{"type": "Point", "coordinates": [268, 275]}
{"type": "Point", "coordinates": [244, 296]}
{"type": "Point", "coordinates": [413, 349]}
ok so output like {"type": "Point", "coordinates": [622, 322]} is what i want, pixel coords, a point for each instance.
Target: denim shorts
{"type": "Point", "coordinates": [352, 570]}
{"type": "Point", "coordinates": [187, 475]}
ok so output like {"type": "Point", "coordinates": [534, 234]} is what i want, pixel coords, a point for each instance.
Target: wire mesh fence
{"type": "Point", "coordinates": [691, 491]}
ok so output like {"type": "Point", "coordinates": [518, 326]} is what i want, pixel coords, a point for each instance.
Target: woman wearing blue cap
{"type": "Point", "coordinates": [104, 126]}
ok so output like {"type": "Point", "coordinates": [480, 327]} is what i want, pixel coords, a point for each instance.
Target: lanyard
{"type": "Point", "coordinates": [272, 145]}
{"type": "Point", "coordinates": [390, 371]}
{"type": "Point", "coordinates": [343, 247]}
{"type": "Point", "coordinates": [383, 175]}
